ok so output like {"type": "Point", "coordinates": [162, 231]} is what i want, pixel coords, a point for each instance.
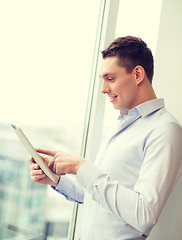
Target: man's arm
{"type": "Point", "coordinates": [140, 207]}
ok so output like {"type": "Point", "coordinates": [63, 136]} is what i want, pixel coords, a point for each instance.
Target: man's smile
{"type": "Point", "coordinates": [112, 98]}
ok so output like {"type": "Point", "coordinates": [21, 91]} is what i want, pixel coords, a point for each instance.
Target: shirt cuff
{"type": "Point", "coordinates": [87, 174]}
{"type": "Point", "coordinates": [64, 185]}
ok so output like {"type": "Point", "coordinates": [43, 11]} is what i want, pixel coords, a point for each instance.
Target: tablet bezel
{"type": "Point", "coordinates": [31, 150]}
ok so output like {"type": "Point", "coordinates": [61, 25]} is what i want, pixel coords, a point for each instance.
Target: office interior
{"type": "Point", "coordinates": [50, 54]}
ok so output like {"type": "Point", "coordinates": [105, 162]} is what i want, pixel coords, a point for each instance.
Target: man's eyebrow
{"type": "Point", "coordinates": [106, 75]}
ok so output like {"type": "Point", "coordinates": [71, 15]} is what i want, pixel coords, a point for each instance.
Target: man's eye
{"type": "Point", "coordinates": [110, 79]}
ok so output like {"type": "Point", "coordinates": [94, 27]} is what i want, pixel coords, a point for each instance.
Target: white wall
{"type": "Point", "coordinates": [139, 18]}
{"type": "Point", "coordinates": [168, 62]}
{"type": "Point", "coordinates": [168, 84]}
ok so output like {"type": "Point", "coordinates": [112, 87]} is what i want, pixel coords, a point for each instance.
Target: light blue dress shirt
{"type": "Point", "coordinates": [125, 190]}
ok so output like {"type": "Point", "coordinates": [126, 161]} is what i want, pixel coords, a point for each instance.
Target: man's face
{"type": "Point", "coordinates": [119, 85]}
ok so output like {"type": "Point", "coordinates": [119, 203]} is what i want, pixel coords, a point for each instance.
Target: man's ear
{"type": "Point", "coordinates": [139, 74]}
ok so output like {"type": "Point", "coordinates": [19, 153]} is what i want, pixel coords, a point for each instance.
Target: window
{"type": "Point", "coordinates": [46, 51]}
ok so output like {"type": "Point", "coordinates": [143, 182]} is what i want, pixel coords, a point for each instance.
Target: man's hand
{"type": "Point", "coordinates": [63, 163]}
{"type": "Point", "coordinates": [38, 176]}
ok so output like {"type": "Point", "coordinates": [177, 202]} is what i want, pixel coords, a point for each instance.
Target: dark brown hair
{"type": "Point", "coordinates": [131, 51]}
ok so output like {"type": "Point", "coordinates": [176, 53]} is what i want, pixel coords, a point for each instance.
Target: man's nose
{"type": "Point", "coordinates": [105, 88]}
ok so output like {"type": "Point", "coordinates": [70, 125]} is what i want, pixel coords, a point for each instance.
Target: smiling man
{"type": "Point", "coordinates": [126, 188]}
{"type": "Point", "coordinates": [125, 89]}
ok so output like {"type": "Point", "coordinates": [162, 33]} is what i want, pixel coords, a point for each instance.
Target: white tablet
{"type": "Point", "coordinates": [33, 152]}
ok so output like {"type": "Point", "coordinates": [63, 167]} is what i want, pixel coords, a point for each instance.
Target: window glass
{"type": "Point", "coordinates": [46, 50]}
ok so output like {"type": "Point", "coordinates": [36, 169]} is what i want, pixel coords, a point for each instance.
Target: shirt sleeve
{"type": "Point", "coordinates": [141, 206]}
{"type": "Point", "coordinates": [70, 188]}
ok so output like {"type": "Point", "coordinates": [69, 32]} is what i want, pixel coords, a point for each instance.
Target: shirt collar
{"type": "Point", "coordinates": [144, 109]}
{"type": "Point", "coordinates": [150, 106]}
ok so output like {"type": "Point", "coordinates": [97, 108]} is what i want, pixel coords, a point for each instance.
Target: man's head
{"type": "Point", "coordinates": [126, 73]}
{"type": "Point", "coordinates": [131, 51]}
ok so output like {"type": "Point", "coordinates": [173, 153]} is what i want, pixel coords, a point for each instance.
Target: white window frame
{"type": "Point", "coordinates": [96, 101]}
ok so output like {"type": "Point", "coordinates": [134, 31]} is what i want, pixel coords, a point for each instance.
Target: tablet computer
{"type": "Point", "coordinates": [33, 152]}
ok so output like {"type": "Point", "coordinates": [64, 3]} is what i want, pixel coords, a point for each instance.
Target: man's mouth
{"type": "Point", "coordinates": [112, 98]}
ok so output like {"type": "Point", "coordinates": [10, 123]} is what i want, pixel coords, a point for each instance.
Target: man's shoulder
{"type": "Point", "coordinates": [166, 117]}
{"type": "Point", "coordinates": [159, 123]}
{"type": "Point", "coordinates": [164, 123]}
{"type": "Point", "coordinates": [162, 117]}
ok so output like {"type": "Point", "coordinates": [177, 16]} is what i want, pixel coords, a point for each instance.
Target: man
{"type": "Point", "coordinates": [126, 188]}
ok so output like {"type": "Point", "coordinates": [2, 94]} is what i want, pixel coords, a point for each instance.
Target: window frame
{"type": "Point", "coordinates": [94, 117]}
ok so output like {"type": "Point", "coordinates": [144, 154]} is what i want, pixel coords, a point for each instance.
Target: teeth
{"type": "Point", "coordinates": [113, 97]}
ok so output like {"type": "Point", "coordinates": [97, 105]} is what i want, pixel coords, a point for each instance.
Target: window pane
{"type": "Point", "coordinates": [45, 56]}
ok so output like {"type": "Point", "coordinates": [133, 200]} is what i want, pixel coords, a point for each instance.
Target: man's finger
{"type": "Point", "coordinates": [30, 159]}
{"type": "Point", "coordinates": [46, 151]}
{"type": "Point", "coordinates": [34, 166]}
{"type": "Point", "coordinates": [54, 168]}
{"type": "Point", "coordinates": [51, 165]}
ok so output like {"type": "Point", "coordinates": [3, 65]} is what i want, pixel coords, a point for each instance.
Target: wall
{"type": "Point", "coordinates": [168, 62]}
